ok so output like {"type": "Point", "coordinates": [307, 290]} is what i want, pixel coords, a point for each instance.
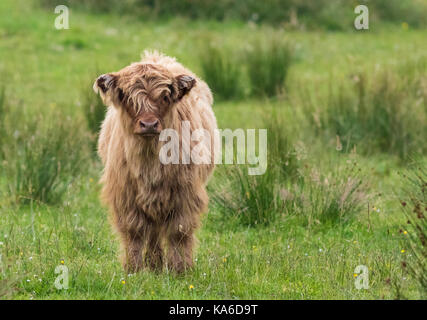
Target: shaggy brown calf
{"type": "Point", "coordinates": [155, 207]}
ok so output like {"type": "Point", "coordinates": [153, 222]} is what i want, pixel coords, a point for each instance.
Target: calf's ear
{"type": "Point", "coordinates": [104, 83]}
{"type": "Point", "coordinates": [185, 84]}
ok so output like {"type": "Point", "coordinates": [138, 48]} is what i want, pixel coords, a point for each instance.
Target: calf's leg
{"type": "Point", "coordinates": [180, 251]}
{"type": "Point", "coordinates": [181, 240]}
{"type": "Point", "coordinates": [154, 254]}
{"type": "Point", "coordinates": [132, 246]}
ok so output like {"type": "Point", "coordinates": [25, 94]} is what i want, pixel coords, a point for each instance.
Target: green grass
{"type": "Point", "coordinates": [268, 64]}
{"type": "Point", "coordinates": [295, 256]}
{"type": "Point", "coordinates": [414, 232]}
{"type": "Point", "coordinates": [383, 111]}
{"type": "Point", "coordinates": [222, 72]}
{"type": "Point", "coordinates": [319, 14]}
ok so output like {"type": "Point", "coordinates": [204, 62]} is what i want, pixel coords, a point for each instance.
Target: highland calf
{"type": "Point", "coordinates": [155, 207]}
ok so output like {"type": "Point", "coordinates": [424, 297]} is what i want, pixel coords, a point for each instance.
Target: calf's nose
{"type": "Point", "coordinates": [149, 126]}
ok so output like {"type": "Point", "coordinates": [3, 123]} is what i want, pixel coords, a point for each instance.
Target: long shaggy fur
{"type": "Point", "coordinates": [155, 208]}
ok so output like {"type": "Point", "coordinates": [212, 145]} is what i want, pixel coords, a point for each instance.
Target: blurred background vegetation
{"type": "Point", "coordinates": [319, 14]}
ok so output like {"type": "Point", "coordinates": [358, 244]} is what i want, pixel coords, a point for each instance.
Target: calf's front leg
{"type": "Point", "coordinates": [180, 248]}
{"type": "Point", "coordinates": [154, 254]}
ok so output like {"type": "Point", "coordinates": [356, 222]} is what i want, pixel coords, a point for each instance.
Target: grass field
{"type": "Point", "coordinates": [47, 75]}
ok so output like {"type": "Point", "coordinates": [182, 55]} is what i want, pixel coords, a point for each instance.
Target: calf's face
{"type": "Point", "coordinates": [145, 93]}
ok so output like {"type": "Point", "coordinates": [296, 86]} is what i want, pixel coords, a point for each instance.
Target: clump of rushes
{"type": "Point", "coordinates": [255, 199]}
{"type": "Point", "coordinates": [291, 185]}
{"type": "Point", "coordinates": [42, 161]}
{"type": "Point", "coordinates": [222, 72]}
{"type": "Point", "coordinates": [335, 197]}
{"type": "Point", "coordinates": [248, 199]}
{"type": "Point", "coordinates": [414, 233]}
{"type": "Point", "coordinates": [268, 62]}
{"type": "Point", "coordinates": [282, 154]}
{"type": "Point", "coordinates": [378, 113]}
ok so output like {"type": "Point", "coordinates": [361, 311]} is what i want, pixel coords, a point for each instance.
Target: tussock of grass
{"type": "Point", "coordinates": [380, 112]}
{"type": "Point", "coordinates": [222, 72]}
{"type": "Point", "coordinates": [283, 156]}
{"type": "Point", "coordinates": [42, 160]}
{"type": "Point", "coordinates": [253, 200]}
{"type": "Point", "coordinates": [334, 196]}
{"type": "Point", "coordinates": [268, 62]}
{"type": "Point", "coordinates": [292, 185]}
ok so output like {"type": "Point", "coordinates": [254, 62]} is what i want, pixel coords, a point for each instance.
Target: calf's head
{"type": "Point", "coordinates": [145, 93]}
